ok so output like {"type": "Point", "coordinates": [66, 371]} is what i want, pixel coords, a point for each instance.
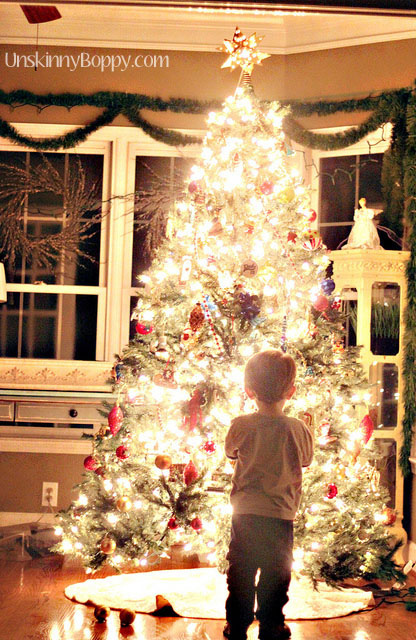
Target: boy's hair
{"type": "Point", "coordinates": [270, 374]}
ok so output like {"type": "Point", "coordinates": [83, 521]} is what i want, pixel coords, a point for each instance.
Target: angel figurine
{"type": "Point", "coordinates": [363, 234]}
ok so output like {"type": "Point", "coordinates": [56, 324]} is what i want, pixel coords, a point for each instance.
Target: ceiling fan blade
{"type": "Point", "coordinates": [36, 14]}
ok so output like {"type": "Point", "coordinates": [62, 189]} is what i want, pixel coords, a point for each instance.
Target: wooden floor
{"type": "Point", "coordinates": [33, 607]}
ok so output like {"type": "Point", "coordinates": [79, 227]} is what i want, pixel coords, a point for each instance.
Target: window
{"type": "Point", "coordinates": [158, 179]}
{"type": "Point", "coordinates": [343, 181]}
{"type": "Point", "coordinates": [52, 311]}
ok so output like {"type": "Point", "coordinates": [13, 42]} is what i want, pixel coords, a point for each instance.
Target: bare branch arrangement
{"type": "Point", "coordinates": [152, 206]}
{"type": "Point", "coordinates": [78, 214]}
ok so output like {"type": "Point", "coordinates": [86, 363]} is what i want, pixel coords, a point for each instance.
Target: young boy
{"type": "Point", "coordinates": [270, 450]}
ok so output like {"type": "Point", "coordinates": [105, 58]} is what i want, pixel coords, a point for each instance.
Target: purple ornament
{"type": "Point", "coordinates": [327, 286]}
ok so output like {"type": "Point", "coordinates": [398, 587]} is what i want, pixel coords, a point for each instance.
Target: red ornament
{"type": "Point", "coordinates": [193, 186]}
{"type": "Point", "coordinates": [144, 329]}
{"type": "Point", "coordinates": [196, 524]}
{"type": "Point", "coordinates": [115, 418]}
{"type": "Point", "coordinates": [312, 241]}
{"type": "Point", "coordinates": [122, 452]}
{"type": "Point", "coordinates": [310, 215]}
{"type": "Point", "coordinates": [321, 303]}
{"type": "Point", "coordinates": [172, 524]}
{"type": "Point", "coordinates": [332, 491]}
{"type": "Point", "coordinates": [100, 471]}
{"type": "Point", "coordinates": [190, 473]}
{"type": "Point", "coordinates": [336, 304]}
{"type": "Point", "coordinates": [90, 463]}
{"type": "Point", "coordinates": [196, 317]}
{"type": "Point", "coordinates": [389, 516]}
{"type": "Point", "coordinates": [291, 237]}
{"type": "Point", "coordinates": [209, 446]}
{"type": "Point", "coordinates": [367, 428]}
{"type": "Point", "coordinates": [267, 187]}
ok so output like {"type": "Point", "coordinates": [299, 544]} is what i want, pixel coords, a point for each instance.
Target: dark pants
{"type": "Point", "coordinates": [258, 542]}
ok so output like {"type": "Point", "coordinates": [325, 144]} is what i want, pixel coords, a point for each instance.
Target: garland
{"type": "Point", "coordinates": [397, 107]}
{"type": "Point", "coordinates": [409, 368]}
{"type": "Point", "coordinates": [384, 106]}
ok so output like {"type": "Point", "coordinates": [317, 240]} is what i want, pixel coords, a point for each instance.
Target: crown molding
{"type": "Point", "coordinates": [169, 29]}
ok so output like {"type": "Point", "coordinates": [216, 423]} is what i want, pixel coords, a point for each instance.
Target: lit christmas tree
{"type": "Point", "coordinates": [241, 270]}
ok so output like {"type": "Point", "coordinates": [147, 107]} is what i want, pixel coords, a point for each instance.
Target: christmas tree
{"type": "Point", "coordinates": [241, 270]}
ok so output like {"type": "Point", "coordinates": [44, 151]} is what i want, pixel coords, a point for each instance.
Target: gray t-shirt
{"type": "Point", "coordinates": [270, 454]}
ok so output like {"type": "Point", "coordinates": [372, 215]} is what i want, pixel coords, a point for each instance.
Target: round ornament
{"type": "Point", "coordinates": [267, 187]}
{"type": "Point", "coordinates": [163, 461]}
{"type": "Point", "coordinates": [312, 241]}
{"type": "Point", "coordinates": [143, 329]}
{"type": "Point", "coordinates": [172, 524]}
{"type": "Point", "coordinates": [321, 303]}
{"type": "Point", "coordinates": [389, 516]}
{"type": "Point", "coordinates": [332, 491]}
{"type": "Point", "coordinates": [310, 215]}
{"type": "Point", "coordinates": [101, 613]}
{"type": "Point", "coordinates": [90, 463]}
{"type": "Point", "coordinates": [122, 452]}
{"type": "Point", "coordinates": [193, 186]}
{"type": "Point", "coordinates": [196, 317]}
{"type": "Point", "coordinates": [108, 545]}
{"type": "Point", "coordinates": [115, 418]}
{"type": "Point", "coordinates": [124, 504]}
{"type": "Point", "coordinates": [127, 616]}
{"type": "Point", "coordinates": [249, 268]}
{"type": "Point", "coordinates": [209, 446]}
{"type": "Point", "coordinates": [327, 286]}
{"type": "Point", "coordinates": [100, 471]}
{"type": "Point", "coordinates": [196, 524]}
{"type": "Point", "coordinates": [286, 195]}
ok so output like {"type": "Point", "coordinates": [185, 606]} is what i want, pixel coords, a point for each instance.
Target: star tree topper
{"type": "Point", "coordinates": [243, 51]}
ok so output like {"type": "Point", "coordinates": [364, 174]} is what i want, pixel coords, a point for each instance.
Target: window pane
{"type": "Point", "coordinates": [384, 391]}
{"type": "Point", "coordinates": [349, 298]}
{"type": "Point", "coordinates": [159, 180]}
{"type": "Point", "coordinates": [370, 180]}
{"type": "Point", "coordinates": [334, 236]}
{"type": "Point", "coordinates": [337, 178]}
{"type": "Point", "coordinates": [43, 325]}
{"type": "Point", "coordinates": [385, 318]}
{"type": "Point", "coordinates": [386, 465]}
{"type": "Point", "coordinates": [44, 214]}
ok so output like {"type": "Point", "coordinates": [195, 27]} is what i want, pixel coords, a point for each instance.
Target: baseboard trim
{"type": "Point", "coordinates": [9, 518]}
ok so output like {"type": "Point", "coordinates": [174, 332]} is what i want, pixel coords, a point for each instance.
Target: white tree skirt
{"type": "Point", "coordinates": [201, 593]}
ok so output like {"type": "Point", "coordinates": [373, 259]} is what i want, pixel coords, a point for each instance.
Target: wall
{"type": "Point", "coordinates": [22, 475]}
{"type": "Point", "coordinates": [334, 74]}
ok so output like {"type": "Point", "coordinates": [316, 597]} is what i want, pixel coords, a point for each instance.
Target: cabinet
{"type": "Point", "coordinates": [372, 284]}
{"type": "Point", "coordinates": [50, 422]}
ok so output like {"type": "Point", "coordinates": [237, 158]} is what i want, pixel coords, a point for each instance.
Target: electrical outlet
{"type": "Point", "coordinates": [49, 494]}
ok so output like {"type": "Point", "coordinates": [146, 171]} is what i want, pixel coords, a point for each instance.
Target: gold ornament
{"type": "Point", "coordinates": [108, 545]}
{"type": "Point", "coordinates": [101, 613]}
{"type": "Point", "coordinates": [127, 616]}
{"type": "Point", "coordinates": [163, 461]}
{"type": "Point", "coordinates": [242, 51]}
{"type": "Point", "coordinates": [124, 504]}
